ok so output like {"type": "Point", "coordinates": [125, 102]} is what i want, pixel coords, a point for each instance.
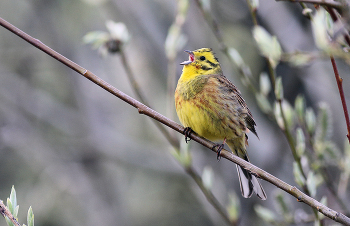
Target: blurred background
{"type": "Point", "coordinates": [80, 156]}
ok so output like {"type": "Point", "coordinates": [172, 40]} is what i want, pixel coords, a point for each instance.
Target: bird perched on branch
{"type": "Point", "coordinates": [211, 106]}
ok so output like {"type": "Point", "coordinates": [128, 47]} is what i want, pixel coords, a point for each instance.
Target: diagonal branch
{"type": "Point", "coordinates": [143, 109]}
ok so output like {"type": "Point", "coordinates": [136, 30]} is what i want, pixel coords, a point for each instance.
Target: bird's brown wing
{"type": "Point", "coordinates": [230, 88]}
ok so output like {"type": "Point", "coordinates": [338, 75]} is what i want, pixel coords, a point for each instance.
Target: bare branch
{"type": "Point", "coordinates": [332, 4]}
{"type": "Point", "coordinates": [342, 96]}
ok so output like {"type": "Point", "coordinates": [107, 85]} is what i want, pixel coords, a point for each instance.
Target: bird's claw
{"type": "Point", "coordinates": [187, 132]}
{"type": "Point", "coordinates": [218, 151]}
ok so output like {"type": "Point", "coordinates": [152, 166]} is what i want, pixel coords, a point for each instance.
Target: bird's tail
{"type": "Point", "coordinates": [247, 181]}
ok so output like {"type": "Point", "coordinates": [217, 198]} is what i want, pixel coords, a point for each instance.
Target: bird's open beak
{"type": "Point", "coordinates": [191, 58]}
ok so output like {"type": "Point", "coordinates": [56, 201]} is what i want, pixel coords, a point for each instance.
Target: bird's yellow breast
{"type": "Point", "coordinates": [204, 112]}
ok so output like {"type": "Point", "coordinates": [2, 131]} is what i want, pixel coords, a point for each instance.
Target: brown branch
{"type": "Point", "coordinates": [6, 213]}
{"type": "Point", "coordinates": [332, 4]}
{"type": "Point", "coordinates": [342, 96]}
{"type": "Point", "coordinates": [338, 78]}
{"type": "Point", "coordinates": [143, 109]}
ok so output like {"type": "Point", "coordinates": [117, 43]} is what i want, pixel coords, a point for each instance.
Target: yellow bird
{"type": "Point", "coordinates": [210, 105]}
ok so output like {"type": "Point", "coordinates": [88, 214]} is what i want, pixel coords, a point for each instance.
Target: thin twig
{"type": "Point", "coordinates": [324, 171]}
{"type": "Point", "coordinates": [214, 26]}
{"type": "Point", "coordinates": [252, 12]}
{"type": "Point", "coordinates": [291, 142]}
{"type": "Point", "coordinates": [338, 78]}
{"type": "Point", "coordinates": [6, 213]}
{"type": "Point", "coordinates": [172, 140]}
{"type": "Point", "coordinates": [286, 130]}
{"type": "Point", "coordinates": [342, 96]}
{"type": "Point", "coordinates": [209, 195]}
{"type": "Point", "coordinates": [326, 176]}
{"type": "Point", "coordinates": [173, 41]}
{"type": "Point", "coordinates": [143, 109]}
{"type": "Point", "coordinates": [297, 159]}
{"type": "Point", "coordinates": [332, 4]}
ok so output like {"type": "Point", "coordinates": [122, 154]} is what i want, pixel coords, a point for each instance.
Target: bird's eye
{"type": "Point", "coordinates": [202, 58]}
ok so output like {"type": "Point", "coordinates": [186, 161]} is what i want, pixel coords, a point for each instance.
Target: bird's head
{"type": "Point", "coordinates": [201, 61]}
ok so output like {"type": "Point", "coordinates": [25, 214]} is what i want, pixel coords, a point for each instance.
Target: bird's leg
{"type": "Point", "coordinates": [219, 148]}
{"type": "Point", "coordinates": [187, 132]}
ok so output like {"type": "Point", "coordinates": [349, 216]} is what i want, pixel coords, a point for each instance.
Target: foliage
{"type": "Point", "coordinates": [11, 216]}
